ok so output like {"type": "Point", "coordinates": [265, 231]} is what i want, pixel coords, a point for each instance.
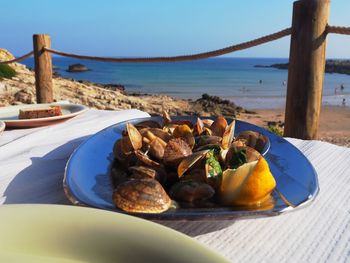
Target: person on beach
{"type": "Point", "coordinates": [342, 87]}
{"type": "Point", "coordinates": [343, 102]}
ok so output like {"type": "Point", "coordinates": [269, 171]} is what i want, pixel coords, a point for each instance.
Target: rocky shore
{"type": "Point", "coordinates": [332, 66]}
{"type": "Point", "coordinates": [335, 122]}
{"type": "Point", "coordinates": [21, 90]}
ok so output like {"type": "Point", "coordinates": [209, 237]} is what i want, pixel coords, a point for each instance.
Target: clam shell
{"type": "Point", "coordinates": [157, 148]}
{"type": "Point", "coordinates": [166, 118]}
{"type": "Point", "coordinates": [142, 172]}
{"type": "Point", "coordinates": [198, 127]}
{"type": "Point", "coordinates": [148, 124]}
{"type": "Point", "coordinates": [184, 132]}
{"type": "Point", "coordinates": [207, 122]}
{"type": "Point", "coordinates": [175, 151]}
{"type": "Point", "coordinates": [228, 135]}
{"type": "Point", "coordinates": [191, 191]}
{"type": "Point", "coordinates": [144, 158]}
{"type": "Point", "coordinates": [219, 125]}
{"type": "Point", "coordinates": [254, 139]}
{"type": "Point", "coordinates": [134, 136]}
{"type": "Point", "coordinates": [141, 196]}
{"type": "Point", "coordinates": [119, 153]}
{"type": "Point", "coordinates": [207, 140]}
{"type": "Point", "coordinates": [165, 136]}
{"type": "Point", "coordinates": [189, 161]}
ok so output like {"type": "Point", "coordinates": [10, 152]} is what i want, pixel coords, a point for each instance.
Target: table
{"type": "Point", "coordinates": [32, 163]}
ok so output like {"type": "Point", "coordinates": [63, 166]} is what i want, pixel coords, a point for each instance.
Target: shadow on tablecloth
{"type": "Point", "coordinates": [42, 181]}
{"type": "Point", "coordinates": [196, 228]}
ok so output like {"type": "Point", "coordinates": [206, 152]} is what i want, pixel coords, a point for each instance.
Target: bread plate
{"type": "Point", "coordinates": [9, 115]}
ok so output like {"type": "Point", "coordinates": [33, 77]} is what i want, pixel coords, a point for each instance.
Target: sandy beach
{"type": "Point", "coordinates": [334, 122]}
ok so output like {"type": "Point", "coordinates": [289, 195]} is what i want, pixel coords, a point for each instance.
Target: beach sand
{"type": "Point", "coordinates": [334, 122]}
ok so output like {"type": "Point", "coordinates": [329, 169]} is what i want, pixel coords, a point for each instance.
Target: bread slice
{"type": "Point", "coordinates": [40, 112]}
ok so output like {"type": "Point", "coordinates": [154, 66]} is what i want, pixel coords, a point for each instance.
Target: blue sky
{"type": "Point", "coordinates": [157, 27]}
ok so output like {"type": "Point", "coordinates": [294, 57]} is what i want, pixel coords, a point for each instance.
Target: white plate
{"type": "Point", "coordinates": [2, 126]}
{"type": "Point", "coordinates": [57, 233]}
{"type": "Point", "coordinates": [9, 115]}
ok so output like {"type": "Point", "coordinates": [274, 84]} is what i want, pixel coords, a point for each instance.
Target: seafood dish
{"type": "Point", "coordinates": [178, 163]}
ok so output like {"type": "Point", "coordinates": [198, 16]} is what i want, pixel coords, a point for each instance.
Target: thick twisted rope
{"type": "Point", "coordinates": [214, 53]}
{"type": "Point", "coordinates": [18, 59]}
{"type": "Point", "coordinates": [209, 54]}
{"type": "Point", "coordinates": [338, 30]}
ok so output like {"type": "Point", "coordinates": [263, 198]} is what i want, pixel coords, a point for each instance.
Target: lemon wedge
{"type": "Point", "coordinates": [249, 184]}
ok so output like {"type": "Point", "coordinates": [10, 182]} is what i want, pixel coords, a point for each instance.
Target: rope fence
{"type": "Point", "coordinates": [306, 67]}
{"type": "Point", "coordinates": [204, 55]}
{"type": "Point", "coordinates": [342, 30]}
{"type": "Point", "coordinates": [214, 53]}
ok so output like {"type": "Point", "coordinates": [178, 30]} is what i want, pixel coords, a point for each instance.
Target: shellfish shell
{"type": "Point", "coordinates": [141, 196]}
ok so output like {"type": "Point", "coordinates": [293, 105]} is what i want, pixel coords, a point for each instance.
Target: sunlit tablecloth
{"type": "Point", "coordinates": [31, 171]}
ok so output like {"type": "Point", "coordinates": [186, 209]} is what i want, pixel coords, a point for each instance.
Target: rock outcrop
{"type": "Point", "coordinates": [77, 68]}
{"type": "Point", "coordinates": [341, 66]}
{"type": "Point", "coordinates": [5, 55]}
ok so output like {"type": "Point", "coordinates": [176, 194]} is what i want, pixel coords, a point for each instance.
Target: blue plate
{"type": "Point", "coordinates": [87, 181]}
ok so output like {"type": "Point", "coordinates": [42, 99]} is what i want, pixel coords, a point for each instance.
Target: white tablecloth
{"type": "Point", "coordinates": [32, 164]}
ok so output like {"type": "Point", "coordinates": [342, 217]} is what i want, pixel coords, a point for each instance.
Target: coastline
{"type": "Point", "coordinates": [334, 121]}
{"type": "Point", "coordinates": [234, 78]}
{"type": "Point", "coordinates": [278, 102]}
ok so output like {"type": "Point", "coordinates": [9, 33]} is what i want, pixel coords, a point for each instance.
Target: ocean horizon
{"type": "Point", "coordinates": [236, 79]}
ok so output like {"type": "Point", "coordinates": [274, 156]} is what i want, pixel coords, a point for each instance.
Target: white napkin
{"type": "Point", "coordinates": [32, 161]}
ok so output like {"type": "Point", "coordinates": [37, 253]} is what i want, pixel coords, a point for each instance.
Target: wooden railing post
{"type": "Point", "coordinates": [306, 68]}
{"type": "Point", "coordinates": [43, 69]}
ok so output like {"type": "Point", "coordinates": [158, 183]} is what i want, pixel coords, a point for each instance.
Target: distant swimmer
{"type": "Point", "coordinates": [284, 83]}
{"type": "Point", "coordinates": [335, 91]}
{"type": "Point", "coordinates": [343, 102]}
{"type": "Point", "coordinates": [342, 87]}
{"type": "Point", "coordinates": [260, 81]}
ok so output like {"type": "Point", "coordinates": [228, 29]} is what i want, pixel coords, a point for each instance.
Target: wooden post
{"type": "Point", "coordinates": [306, 68]}
{"type": "Point", "coordinates": [43, 69]}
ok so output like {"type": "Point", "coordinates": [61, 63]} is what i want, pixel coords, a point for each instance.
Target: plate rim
{"type": "Point", "coordinates": [83, 108]}
{"type": "Point", "coordinates": [2, 126]}
{"type": "Point", "coordinates": [99, 213]}
{"type": "Point", "coordinates": [225, 214]}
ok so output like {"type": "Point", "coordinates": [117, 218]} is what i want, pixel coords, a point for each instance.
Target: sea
{"type": "Point", "coordinates": [236, 79]}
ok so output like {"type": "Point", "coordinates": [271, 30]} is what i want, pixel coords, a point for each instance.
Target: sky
{"type": "Point", "coordinates": [158, 27]}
